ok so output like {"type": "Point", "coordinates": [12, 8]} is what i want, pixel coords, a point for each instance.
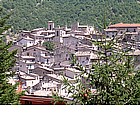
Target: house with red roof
{"type": "Point", "coordinates": [129, 32]}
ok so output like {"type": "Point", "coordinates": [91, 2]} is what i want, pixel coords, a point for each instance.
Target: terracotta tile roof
{"type": "Point", "coordinates": [123, 25]}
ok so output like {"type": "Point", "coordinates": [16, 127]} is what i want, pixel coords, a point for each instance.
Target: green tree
{"type": "Point", "coordinates": [49, 45]}
{"type": "Point", "coordinates": [112, 75]}
{"type": "Point", "coordinates": [7, 60]}
{"type": "Point", "coordinates": [37, 13]}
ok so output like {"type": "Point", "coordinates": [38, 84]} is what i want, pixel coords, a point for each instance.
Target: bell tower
{"type": "Point", "coordinates": [50, 25]}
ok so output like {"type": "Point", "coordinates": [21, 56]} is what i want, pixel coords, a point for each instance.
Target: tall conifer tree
{"type": "Point", "coordinates": [112, 76]}
{"type": "Point", "coordinates": [7, 60]}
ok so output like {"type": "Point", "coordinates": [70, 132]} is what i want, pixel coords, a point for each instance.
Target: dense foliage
{"type": "Point", "coordinates": [49, 46]}
{"type": "Point", "coordinates": [8, 93]}
{"type": "Point", "coordinates": [112, 77]}
{"type": "Point", "coordinates": [29, 14]}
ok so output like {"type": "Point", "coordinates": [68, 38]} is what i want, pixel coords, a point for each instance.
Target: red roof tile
{"type": "Point", "coordinates": [124, 25]}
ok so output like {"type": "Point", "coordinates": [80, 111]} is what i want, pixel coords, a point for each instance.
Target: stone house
{"type": "Point", "coordinates": [37, 51]}
{"type": "Point", "coordinates": [70, 40]}
{"type": "Point", "coordinates": [38, 31]}
{"type": "Point", "coordinates": [59, 33]}
{"type": "Point", "coordinates": [28, 80]}
{"type": "Point", "coordinates": [51, 83]}
{"type": "Point", "coordinates": [125, 27]}
{"type": "Point", "coordinates": [83, 58]}
{"type": "Point", "coordinates": [130, 31]}
{"type": "Point", "coordinates": [26, 64]}
{"type": "Point", "coordinates": [72, 73]}
{"type": "Point", "coordinates": [136, 55]}
{"type": "Point", "coordinates": [26, 42]}
{"type": "Point", "coordinates": [25, 34]}
{"type": "Point", "coordinates": [111, 33]}
{"type": "Point", "coordinates": [41, 71]}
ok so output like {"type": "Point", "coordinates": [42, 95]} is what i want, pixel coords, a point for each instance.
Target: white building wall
{"type": "Point", "coordinates": [111, 34]}
{"type": "Point", "coordinates": [36, 53]}
{"type": "Point", "coordinates": [23, 67]}
{"type": "Point", "coordinates": [131, 29]}
{"type": "Point", "coordinates": [29, 83]}
{"type": "Point", "coordinates": [83, 60]}
{"type": "Point", "coordinates": [39, 39]}
{"type": "Point", "coordinates": [70, 74]}
{"type": "Point", "coordinates": [25, 42]}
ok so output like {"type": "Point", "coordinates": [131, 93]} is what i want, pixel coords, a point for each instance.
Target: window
{"type": "Point", "coordinates": [50, 27]}
{"type": "Point", "coordinates": [47, 61]}
{"type": "Point", "coordinates": [28, 53]}
{"type": "Point", "coordinates": [57, 33]}
{"type": "Point", "coordinates": [30, 71]}
{"type": "Point", "coordinates": [34, 54]}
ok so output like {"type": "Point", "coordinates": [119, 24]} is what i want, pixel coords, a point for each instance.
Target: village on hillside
{"type": "Point", "coordinates": [44, 56]}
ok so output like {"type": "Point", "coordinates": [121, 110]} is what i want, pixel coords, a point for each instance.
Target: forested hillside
{"type": "Point", "coordinates": [29, 14]}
